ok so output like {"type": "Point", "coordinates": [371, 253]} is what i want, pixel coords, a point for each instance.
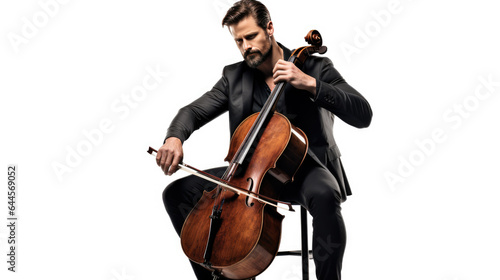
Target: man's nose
{"type": "Point", "coordinates": [246, 45]}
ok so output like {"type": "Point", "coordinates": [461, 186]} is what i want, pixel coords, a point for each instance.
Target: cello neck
{"type": "Point", "coordinates": [298, 58]}
{"type": "Point", "coordinates": [264, 116]}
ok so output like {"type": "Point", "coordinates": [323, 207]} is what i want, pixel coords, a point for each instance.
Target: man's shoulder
{"type": "Point", "coordinates": [235, 71]}
{"type": "Point", "coordinates": [238, 66]}
{"type": "Point", "coordinates": [319, 60]}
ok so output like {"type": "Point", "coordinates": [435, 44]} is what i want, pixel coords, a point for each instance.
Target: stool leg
{"type": "Point", "coordinates": [305, 247]}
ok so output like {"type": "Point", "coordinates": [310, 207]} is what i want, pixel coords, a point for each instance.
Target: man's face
{"type": "Point", "coordinates": [253, 42]}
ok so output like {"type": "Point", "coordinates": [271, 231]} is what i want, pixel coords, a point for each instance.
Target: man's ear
{"type": "Point", "coordinates": [270, 28]}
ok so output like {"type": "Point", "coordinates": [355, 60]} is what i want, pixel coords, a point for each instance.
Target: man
{"type": "Point", "coordinates": [313, 96]}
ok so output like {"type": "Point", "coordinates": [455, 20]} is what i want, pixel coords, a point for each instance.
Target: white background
{"type": "Point", "coordinates": [417, 62]}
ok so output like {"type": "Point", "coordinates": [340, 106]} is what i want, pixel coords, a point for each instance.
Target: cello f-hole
{"type": "Point", "coordinates": [247, 200]}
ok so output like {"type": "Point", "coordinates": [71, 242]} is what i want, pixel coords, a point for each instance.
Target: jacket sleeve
{"type": "Point", "coordinates": [201, 111]}
{"type": "Point", "coordinates": [338, 97]}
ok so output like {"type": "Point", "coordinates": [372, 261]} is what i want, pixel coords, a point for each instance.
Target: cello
{"type": "Point", "coordinates": [233, 230]}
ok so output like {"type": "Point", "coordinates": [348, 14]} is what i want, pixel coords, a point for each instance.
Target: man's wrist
{"type": "Point", "coordinates": [311, 86]}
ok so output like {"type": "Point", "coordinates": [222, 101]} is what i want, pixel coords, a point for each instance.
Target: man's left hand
{"type": "Point", "coordinates": [285, 71]}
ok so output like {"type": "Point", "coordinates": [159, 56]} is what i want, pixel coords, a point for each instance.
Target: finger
{"type": "Point", "coordinates": [280, 76]}
{"type": "Point", "coordinates": [280, 64]}
{"type": "Point", "coordinates": [280, 72]}
{"type": "Point", "coordinates": [175, 165]}
{"type": "Point", "coordinates": [276, 74]}
{"type": "Point", "coordinates": [166, 162]}
{"type": "Point", "coordinates": [158, 157]}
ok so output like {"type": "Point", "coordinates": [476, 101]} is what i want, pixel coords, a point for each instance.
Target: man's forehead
{"type": "Point", "coordinates": [244, 27]}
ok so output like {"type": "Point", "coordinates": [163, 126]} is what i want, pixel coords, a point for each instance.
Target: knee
{"type": "Point", "coordinates": [171, 196]}
{"type": "Point", "coordinates": [166, 193]}
{"type": "Point", "coordinates": [179, 199]}
{"type": "Point", "coordinates": [177, 209]}
{"type": "Point", "coordinates": [324, 201]}
{"type": "Point", "coordinates": [327, 197]}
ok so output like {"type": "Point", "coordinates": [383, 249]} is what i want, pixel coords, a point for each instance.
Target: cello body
{"type": "Point", "coordinates": [244, 239]}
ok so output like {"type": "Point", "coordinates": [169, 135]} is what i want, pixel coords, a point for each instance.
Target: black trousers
{"type": "Point", "coordinates": [314, 187]}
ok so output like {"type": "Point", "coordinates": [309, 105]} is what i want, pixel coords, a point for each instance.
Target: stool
{"type": "Point", "coordinates": [304, 252]}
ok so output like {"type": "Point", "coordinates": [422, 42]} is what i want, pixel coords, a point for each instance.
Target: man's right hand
{"type": "Point", "coordinates": [170, 155]}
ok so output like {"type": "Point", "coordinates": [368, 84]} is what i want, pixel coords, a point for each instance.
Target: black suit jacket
{"type": "Point", "coordinates": [233, 93]}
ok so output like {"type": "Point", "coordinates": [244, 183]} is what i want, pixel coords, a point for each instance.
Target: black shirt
{"type": "Point", "coordinates": [261, 91]}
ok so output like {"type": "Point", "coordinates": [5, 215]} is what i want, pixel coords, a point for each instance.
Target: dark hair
{"type": "Point", "coordinates": [244, 8]}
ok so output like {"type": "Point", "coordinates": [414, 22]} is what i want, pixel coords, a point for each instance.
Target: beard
{"type": "Point", "coordinates": [255, 58]}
